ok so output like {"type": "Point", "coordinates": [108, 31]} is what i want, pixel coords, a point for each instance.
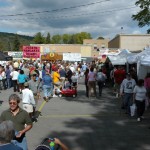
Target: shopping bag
{"type": "Point", "coordinates": [132, 110]}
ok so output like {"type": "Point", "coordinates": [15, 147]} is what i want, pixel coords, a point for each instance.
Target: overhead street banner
{"type": "Point", "coordinates": [72, 56]}
{"type": "Point", "coordinates": [31, 52]}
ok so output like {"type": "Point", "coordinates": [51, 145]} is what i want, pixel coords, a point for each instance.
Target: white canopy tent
{"type": "Point", "coordinates": [143, 62]}
{"type": "Point", "coordinates": [120, 59]}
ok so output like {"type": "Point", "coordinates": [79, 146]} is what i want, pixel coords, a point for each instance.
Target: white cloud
{"type": "Point", "coordinates": [104, 18]}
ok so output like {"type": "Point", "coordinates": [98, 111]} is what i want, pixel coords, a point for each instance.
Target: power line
{"type": "Point", "coordinates": [76, 15]}
{"type": "Point", "coordinates": [55, 10]}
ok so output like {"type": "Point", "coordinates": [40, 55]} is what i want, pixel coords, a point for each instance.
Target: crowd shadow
{"type": "Point", "coordinates": [107, 129]}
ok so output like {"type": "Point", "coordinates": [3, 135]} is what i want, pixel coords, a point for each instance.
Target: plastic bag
{"type": "Point", "coordinates": [132, 110]}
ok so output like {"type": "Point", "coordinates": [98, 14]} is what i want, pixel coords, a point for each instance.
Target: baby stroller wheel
{"type": "Point", "coordinates": [74, 95]}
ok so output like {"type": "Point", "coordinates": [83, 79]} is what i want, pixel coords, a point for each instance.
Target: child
{"type": "Point", "coordinates": [74, 79]}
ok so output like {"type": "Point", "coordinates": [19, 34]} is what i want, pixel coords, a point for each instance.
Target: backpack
{"type": "Point", "coordinates": [100, 77]}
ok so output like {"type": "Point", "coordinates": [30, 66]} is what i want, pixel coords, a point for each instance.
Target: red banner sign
{"type": "Point", "coordinates": [31, 52]}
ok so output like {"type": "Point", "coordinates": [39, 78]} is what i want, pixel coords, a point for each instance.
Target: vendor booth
{"type": "Point", "coordinates": [51, 57]}
{"type": "Point", "coordinates": [119, 59]}
{"type": "Point", "coordinates": [143, 62]}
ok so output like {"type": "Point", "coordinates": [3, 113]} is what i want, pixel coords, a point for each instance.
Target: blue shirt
{"type": "Point", "coordinates": [47, 80]}
{"type": "Point", "coordinates": [10, 146]}
{"type": "Point", "coordinates": [8, 73]}
{"type": "Point", "coordinates": [22, 78]}
{"type": "Point", "coordinates": [84, 67]}
{"type": "Point", "coordinates": [62, 73]}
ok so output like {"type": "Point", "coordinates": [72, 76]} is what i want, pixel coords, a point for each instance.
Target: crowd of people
{"type": "Point", "coordinates": [31, 78]}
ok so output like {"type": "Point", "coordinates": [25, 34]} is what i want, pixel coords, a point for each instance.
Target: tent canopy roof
{"type": "Point", "coordinates": [4, 57]}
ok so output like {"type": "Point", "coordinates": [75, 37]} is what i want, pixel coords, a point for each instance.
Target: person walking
{"type": "Point", "coordinates": [20, 118]}
{"type": "Point", "coordinates": [22, 78]}
{"type": "Point", "coordinates": [139, 96]}
{"type": "Point", "coordinates": [126, 90]}
{"type": "Point", "coordinates": [86, 81]}
{"type": "Point", "coordinates": [14, 74]}
{"type": "Point", "coordinates": [28, 100]}
{"type": "Point", "coordinates": [34, 86]}
{"type": "Point", "coordinates": [47, 86]}
{"type": "Point", "coordinates": [8, 77]}
{"type": "Point", "coordinates": [92, 82]}
{"type": "Point", "coordinates": [100, 77]}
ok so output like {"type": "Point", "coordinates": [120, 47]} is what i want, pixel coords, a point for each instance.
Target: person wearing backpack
{"type": "Point", "coordinates": [100, 77]}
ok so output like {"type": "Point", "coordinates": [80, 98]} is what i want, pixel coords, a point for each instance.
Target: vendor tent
{"type": "Point", "coordinates": [120, 59]}
{"type": "Point", "coordinates": [5, 57]}
{"type": "Point", "coordinates": [143, 62]}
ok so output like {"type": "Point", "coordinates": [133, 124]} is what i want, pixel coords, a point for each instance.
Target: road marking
{"type": "Point", "coordinates": [42, 105]}
{"type": "Point", "coordinates": [76, 115]}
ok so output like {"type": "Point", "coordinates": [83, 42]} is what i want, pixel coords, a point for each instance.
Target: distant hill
{"type": "Point", "coordinates": [7, 40]}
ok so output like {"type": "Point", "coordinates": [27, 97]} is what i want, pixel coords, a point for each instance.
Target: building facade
{"type": "Point", "coordinates": [132, 42]}
{"type": "Point", "coordinates": [85, 50]}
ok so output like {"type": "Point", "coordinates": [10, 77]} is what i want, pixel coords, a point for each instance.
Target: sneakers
{"type": "Point", "coordinates": [138, 119]}
{"type": "Point", "coordinates": [55, 96]}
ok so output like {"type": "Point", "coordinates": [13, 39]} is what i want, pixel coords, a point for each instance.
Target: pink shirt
{"type": "Point", "coordinates": [91, 76]}
{"type": "Point", "coordinates": [147, 83]}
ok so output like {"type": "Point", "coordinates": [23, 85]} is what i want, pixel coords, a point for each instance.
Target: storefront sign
{"type": "Point", "coordinates": [72, 56]}
{"type": "Point", "coordinates": [31, 52]}
{"type": "Point", "coordinates": [16, 55]}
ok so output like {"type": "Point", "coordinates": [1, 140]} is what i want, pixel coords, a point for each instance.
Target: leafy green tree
{"type": "Point", "coordinates": [56, 39]}
{"type": "Point", "coordinates": [48, 39]}
{"type": "Point", "coordinates": [39, 38]}
{"type": "Point", "coordinates": [143, 16]}
{"type": "Point", "coordinates": [72, 39]}
{"type": "Point", "coordinates": [81, 36]}
{"type": "Point", "coordinates": [1, 46]}
{"type": "Point", "coordinates": [66, 38]}
{"type": "Point", "coordinates": [8, 46]}
{"type": "Point", "coordinates": [16, 44]}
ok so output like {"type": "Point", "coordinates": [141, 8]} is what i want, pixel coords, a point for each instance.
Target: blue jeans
{"type": "Point", "coordinates": [127, 99]}
{"type": "Point", "coordinates": [48, 90]}
{"type": "Point", "coordinates": [8, 83]}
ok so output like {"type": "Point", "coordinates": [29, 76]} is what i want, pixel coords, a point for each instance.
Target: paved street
{"type": "Point", "coordinates": [83, 124]}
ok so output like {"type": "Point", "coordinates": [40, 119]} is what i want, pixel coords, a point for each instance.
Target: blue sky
{"type": "Point", "coordinates": [100, 18]}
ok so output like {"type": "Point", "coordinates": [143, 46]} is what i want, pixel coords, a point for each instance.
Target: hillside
{"type": "Point", "coordinates": [7, 40]}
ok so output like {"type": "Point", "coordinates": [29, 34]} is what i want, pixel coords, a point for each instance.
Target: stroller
{"type": "Point", "coordinates": [48, 144]}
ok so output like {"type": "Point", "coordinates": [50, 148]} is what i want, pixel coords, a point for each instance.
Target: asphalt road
{"type": "Point", "coordinates": [83, 124]}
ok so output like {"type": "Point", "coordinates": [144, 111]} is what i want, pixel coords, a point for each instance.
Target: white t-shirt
{"type": "Point", "coordinates": [140, 93]}
{"type": "Point", "coordinates": [14, 75]}
{"type": "Point", "coordinates": [27, 96]}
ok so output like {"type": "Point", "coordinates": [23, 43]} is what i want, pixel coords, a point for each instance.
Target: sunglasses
{"type": "Point", "coordinates": [12, 103]}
